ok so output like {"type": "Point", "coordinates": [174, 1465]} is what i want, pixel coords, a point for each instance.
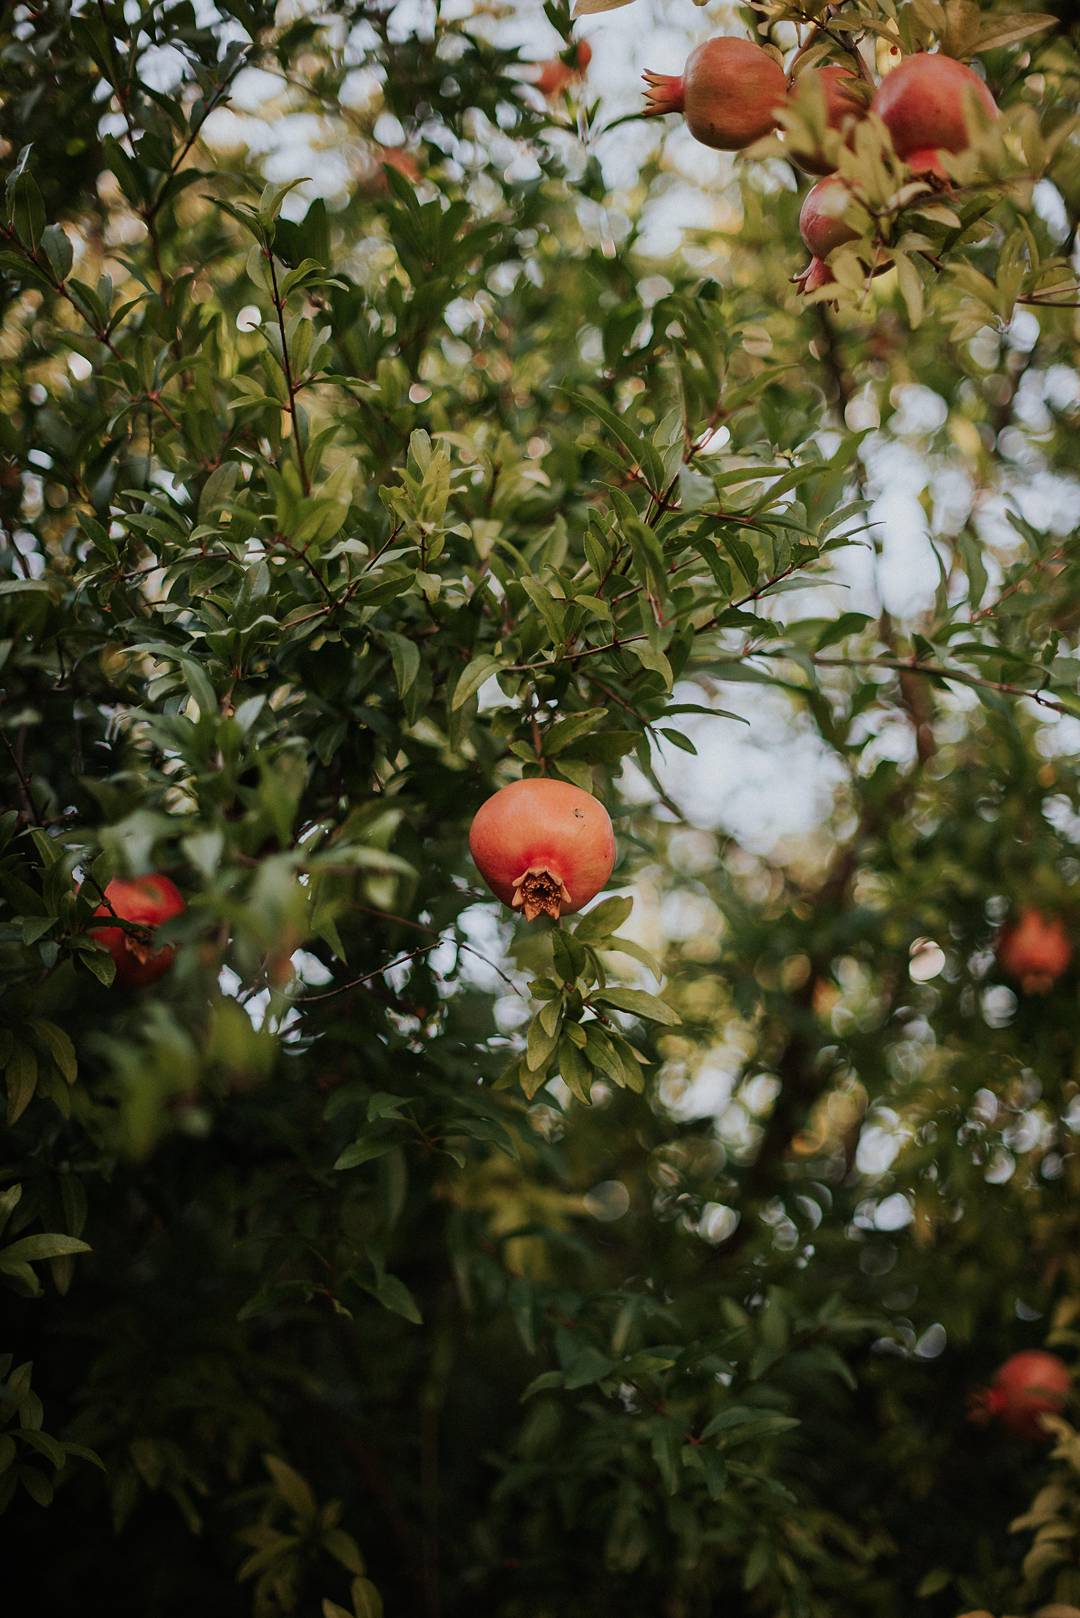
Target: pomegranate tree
{"type": "Point", "coordinates": [1029, 1386]}
{"type": "Point", "coordinates": [924, 103]}
{"type": "Point", "coordinates": [729, 92]}
{"type": "Point", "coordinates": [146, 902]}
{"type": "Point", "coordinates": [544, 847]}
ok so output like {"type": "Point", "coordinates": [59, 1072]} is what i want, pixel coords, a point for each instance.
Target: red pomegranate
{"type": "Point", "coordinates": [374, 182]}
{"type": "Point", "coordinates": [147, 901]}
{"type": "Point", "coordinates": [559, 73]}
{"type": "Point", "coordinates": [729, 92]}
{"type": "Point", "coordinates": [1035, 949]}
{"type": "Point", "coordinates": [1027, 1387]}
{"type": "Point", "coordinates": [927, 164]}
{"type": "Point", "coordinates": [923, 103]}
{"type": "Point", "coordinates": [543, 846]}
{"type": "Point", "coordinates": [822, 224]}
{"type": "Point", "coordinates": [844, 106]}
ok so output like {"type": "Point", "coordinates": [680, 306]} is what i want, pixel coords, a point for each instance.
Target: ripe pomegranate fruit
{"type": "Point", "coordinates": [844, 106]}
{"type": "Point", "coordinates": [374, 182]}
{"type": "Point", "coordinates": [542, 846]}
{"type": "Point", "coordinates": [559, 73]}
{"type": "Point", "coordinates": [147, 901]}
{"type": "Point", "coordinates": [927, 164]}
{"type": "Point", "coordinates": [822, 225]}
{"type": "Point", "coordinates": [922, 103]}
{"type": "Point", "coordinates": [729, 92]}
{"type": "Point", "coordinates": [1027, 1387]}
{"type": "Point", "coordinates": [1035, 949]}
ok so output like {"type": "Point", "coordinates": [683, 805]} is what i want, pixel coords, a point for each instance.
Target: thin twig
{"type": "Point", "coordinates": [935, 672]}
{"type": "Point", "coordinates": [287, 368]}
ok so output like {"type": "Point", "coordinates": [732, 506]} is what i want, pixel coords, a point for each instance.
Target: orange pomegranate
{"type": "Point", "coordinates": [374, 182]}
{"type": "Point", "coordinates": [923, 102]}
{"type": "Point", "coordinates": [844, 106]}
{"type": "Point", "coordinates": [1035, 949]}
{"type": "Point", "coordinates": [545, 847]}
{"type": "Point", "coordinates": [559, 73]}
{"type": "Point", "coordinates": [1029, 1386]}
{"type": "Point", "coordinates": [147, 902]}
{"type": "Point", "coordinates": [729, 92]}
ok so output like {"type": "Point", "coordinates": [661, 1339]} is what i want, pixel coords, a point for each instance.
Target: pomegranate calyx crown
{"type": "Point", "coordinates": [665, 93]}
{"type": "Point", "coordinates": [539, 891]}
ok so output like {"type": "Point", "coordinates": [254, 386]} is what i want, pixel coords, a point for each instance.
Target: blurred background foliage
{"type": "Point", "coordinates": [373, 430]}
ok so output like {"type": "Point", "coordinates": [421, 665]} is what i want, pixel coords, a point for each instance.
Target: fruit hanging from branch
{"type": "Point", "coordinates": [1035, 949]}
{"type": "Point", "coordinates": [924, 102]}
{"type": "Point", "coordinates": [822, 222]}
{"type": "Point", "coordinates": [845, 104]}
{"type": "Point", "coordinates": [146, 902]}
{"type": "Point", "coordinates": [558, 74]}
{"type": "Point", "coordinates": [729, 92]}
{"type": "Point", "coordinates": [1029, 1386]}
{"type": "Point", "coordinates": [927, 164]}
{"type": "Point", "coordinates": [816, 274]}
{"type": "Point", "coordinates": [544, 847]}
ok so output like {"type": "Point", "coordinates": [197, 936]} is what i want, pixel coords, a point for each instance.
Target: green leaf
{"type": "Point", "coordinates": [588, 1367]}
{"type": "Point", "coordinates": [60, 1047]}
{"type": "Point", "coordinates": [569, 729]}
{"type": "Point", "coordinates": [14, 587]}
{"type": "Point", "coordinates": [58, 250]}
{"type": "Point", "coordinates": [575, 1070]}
{"type": "Point", "coordinates": [363, 1151]}
{"type": "Point", "coordinates": [26, 210]}
{"type": "Point", "coordinates": [541, 1042]}
{"type": "Point", "coordinates": [651, 658]}
{"type": "Point", "coordinates": [603, 920]}
{"type": "Point", "coordinates": [292, 1488]}
{"type": "Point", "coordinates": [31, 1249]}
{"type": "Point", "coordinates": [911, 289]}
{"type": "Point", "coordinates": [200, 688]}
{"type": "Point", "coordinates": [639, 1004]}
{"type": "Point", "coordinates": [366, 1600]}
{"type": "Point", "coordinates": [472, 678]}
{"type": "Point", "coordinates": [677, 739]}
{"type": "Point", "coordinates": [395, 1296]}
{"type": "Point", "coordinates": [998, 30]}
{"type": "Point", "coordinates": [405, 656]}
{"type": "Point", "coordinates": [21, 1077]}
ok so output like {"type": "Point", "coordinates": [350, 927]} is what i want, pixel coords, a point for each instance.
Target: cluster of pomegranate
{"type": "Point", "coordinates": [544, 847]}
{"type": "Point", "coordinates": [731, 92]}
{"type": "Point", "coordinates": [1029, 1386]}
